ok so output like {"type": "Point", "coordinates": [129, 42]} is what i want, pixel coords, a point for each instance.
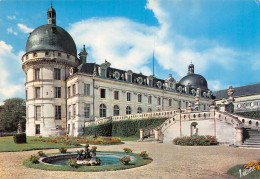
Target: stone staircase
{"type": "Point", "coordinates": [252, 138]}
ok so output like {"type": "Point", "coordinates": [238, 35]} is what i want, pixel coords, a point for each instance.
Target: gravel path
{"type": "Point", "coordinates": [170, 161]}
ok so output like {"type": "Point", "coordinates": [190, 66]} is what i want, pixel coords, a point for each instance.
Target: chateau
{"type": "Point", "coordinates": [64, 92]}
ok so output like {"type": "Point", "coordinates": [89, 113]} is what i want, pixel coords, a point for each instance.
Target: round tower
{"type": "Point", "coordinates": [50, 54]}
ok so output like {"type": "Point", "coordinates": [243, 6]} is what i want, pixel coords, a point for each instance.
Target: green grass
{"type": "Point", "coordinates": [7, 145]}
{"type": "Point", "coordinates": [131, 138]}
{"type": "Point", "coordinates": [235, 172]}
{"type": "Point", "coordinates": [137, 163]}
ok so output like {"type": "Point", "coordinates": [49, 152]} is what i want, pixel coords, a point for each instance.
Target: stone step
{"type": "Point", "coordinates": [251, 146]}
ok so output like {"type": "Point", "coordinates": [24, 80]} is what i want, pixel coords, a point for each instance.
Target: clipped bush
{"type": "Point", "coordinates": [143, 154]}
{"type": "Point", "coordinates": [72, 163]}
{"type": "Point", "coordinates": [127, 150]}
{"type": "Point", "coordinates": [19, 138]}
{"type": "Point", "coordinates": [63, 150]}
{"type": "Point", "coordinates": [125, 160]}
{"type": "Point", "coordinates": [34, 159]}
{"type": "Point", "coordinates": [41, 154]}
{"type": "Point", "coordinates": [196, 140]}
{"type": "Point", "coordinates": [124, 128]}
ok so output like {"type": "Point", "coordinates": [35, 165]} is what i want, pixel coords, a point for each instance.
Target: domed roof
{"type": "Point", "coordinates": [195, 80]}
{"type": "Point", "coordinates": [51, 37]}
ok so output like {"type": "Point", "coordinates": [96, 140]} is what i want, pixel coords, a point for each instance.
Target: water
{"type": "Point", "coordinates": [106, 159]}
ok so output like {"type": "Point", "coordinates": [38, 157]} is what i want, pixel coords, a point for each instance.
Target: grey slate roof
{"type": "Point", "coordinates": [246, 90]}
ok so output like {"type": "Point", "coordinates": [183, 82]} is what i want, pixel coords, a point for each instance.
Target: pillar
{"type": "Point", "coordinates": [141, 134]}
{"type": "Point", "coordinates": [156, 134]}
{"type": "Point", "coordinates": [239, 136]}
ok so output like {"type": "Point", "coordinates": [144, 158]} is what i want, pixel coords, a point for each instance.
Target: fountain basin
{"type": "Point", "coordinates": [106, 158]}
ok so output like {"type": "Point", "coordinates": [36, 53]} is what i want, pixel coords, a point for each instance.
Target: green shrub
{"type": "Point", "coordinates": [125, 160]}
{"type": "Point", "coordinates": [19, 138]}
{"type": "Point", "coordinates": [34, 159]}
{"type": "Point", "coordinates": [41, 154]}
{"type": "Point", "coordinates": [196, 140]}
{"type": "Point", "coordinates": [72, 163]}
{"type": "Point", "coordinates": [63, 150]}
{"type": "Point", "coordinates": [124, 128]}
{"type": "Point", "coordinates": [143, 154]}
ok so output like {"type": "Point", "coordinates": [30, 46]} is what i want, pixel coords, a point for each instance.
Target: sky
{"type": "Point", "coordinates": [220, 37]}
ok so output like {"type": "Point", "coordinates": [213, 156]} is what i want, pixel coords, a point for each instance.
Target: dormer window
{"type": "Point", "coordinates": [159, 84]}
{"type": "Point", "coordinates": [27, 57]}
{"type": "Point", "coordinates": [128, 76]}
{"type": "Point", "coordinates": [139, 80]}
{"type": "Point", "coordinates": [150, 80]}
{"type": "Point", "coordinates": [35, 54]}
{"type": "Point", "coordinates": [68, 56]}
{"type": "Point", "coordinates": [103, 69]}
{"type": "Point", "coordinates": [116, 75]}
{"type": "Point", "coordinates": [59, 54]}
{"type": "Point", "coordinates": [46, 53]}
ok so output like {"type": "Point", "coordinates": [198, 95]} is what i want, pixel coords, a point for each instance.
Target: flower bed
{"type": "Point", "coordinates": [76, 141]}
{"type": "Point", "coordinates": [196, 140]}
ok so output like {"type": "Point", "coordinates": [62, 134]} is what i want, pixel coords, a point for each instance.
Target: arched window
{"type": "Point", "coordinates": [139, 110]}
{"type": "Point", "coordinates": [102, 110]}
{"type": "Point", "coordinates": [128, 110]}
{"type": "Point", "coordinates": [149, 109]}
{"type": "Point", "coordinates": [116, 110]}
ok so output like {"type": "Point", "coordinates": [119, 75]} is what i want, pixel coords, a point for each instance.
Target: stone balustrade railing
{"type": "Point", "coordinates": [248, 122]}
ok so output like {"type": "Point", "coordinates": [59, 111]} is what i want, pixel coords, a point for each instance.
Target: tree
{"type": "Point", "coordinates": [13, 111]}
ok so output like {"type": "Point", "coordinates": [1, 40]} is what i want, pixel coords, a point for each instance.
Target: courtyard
{"type": "Point", "coordinates": [170, 161]}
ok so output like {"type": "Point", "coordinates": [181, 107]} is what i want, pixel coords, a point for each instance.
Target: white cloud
{"type": "Point", "coordinates": [9, 88]}
{"type": "Point", "coordinates": [24, 28]}
{"type": "Point", "coordinates": [214, 85]}
{"type": "Point", "coordinates": [11, 31]}
{"type": "Point", "coordinates": [11, 17]}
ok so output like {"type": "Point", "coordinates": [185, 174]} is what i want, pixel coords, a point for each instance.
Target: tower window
{"type": "Point", "coordinates": [102, 93]}
{"type": "Point", "coordinates": [158, 101]}
{"type": "Point", "coordinates": [57, 92]}
{"type": "Point", "coordinates": [47, 53]}
{"type": "Point", "coordinates": [57, 75]}
{"type": "Point", "coordinates": [36, 74]}
{"type": "Point", "coordinates": [170, 102]}
{"type": "Point", "coordinates": [37, 92]}
{"type": "Point", "coordinates": [139, 98]}
{"type": "Point", "coordinates": [128, 95]}
{"type": "Point", "coordinates": [74, 110]}
{"type": "Point", "coordinates": [57, 112]}
{"type": "Point", "coordinates": [149, 99]}
{"type": "Point", "coordinates": [87, 89]}
{"type": "Point", "coordinates": [37, 113]}
{"type": "Point", "coordinates": [86, 110]}
{"type": "Point", "coordinates": [116, 95]}
{"type": "Point", "coordinates": [59, 54]}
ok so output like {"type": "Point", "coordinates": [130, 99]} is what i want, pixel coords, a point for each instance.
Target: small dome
{"type": "Point", "coordinates": [195, 80]}
{"type": "Point", "coordinates": [51, 37]}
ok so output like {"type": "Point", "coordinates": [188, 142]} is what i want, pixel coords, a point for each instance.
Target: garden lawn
{"type": "Point", "coordinates": [7, 145]}
{"type": "Point", "coordinates": [235, 172]}
{"type": "Point", "coordinates": [131, 138]}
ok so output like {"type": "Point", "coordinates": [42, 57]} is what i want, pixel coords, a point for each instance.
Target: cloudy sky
{"type": "Point", "coordinates": [220, 37]}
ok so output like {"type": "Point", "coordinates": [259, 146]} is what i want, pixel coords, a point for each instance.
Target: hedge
{"type": "Point", "coordinates": [254, 114]}
{"type": "Point", "coordinates": [196, 140]}
{"type": "Point", "coordinates": [124, 128]}
{"type": "Point", "coordinates": [19, 138]}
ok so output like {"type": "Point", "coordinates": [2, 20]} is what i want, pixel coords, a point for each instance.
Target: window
{"type": "Point", "coordinates": [46, 53]}
{"type": "Point", "coordinates": [150, 82]}
{"type": "Point", "coordinates": [68, 92]}
{"type": "Point", "coordinates": [68, 56]}
{"type": "Point", "coordinates": [35, 54]}
{"type": "Point", "coordinates": [73, 90]}
{"type": "Point", "coordinates": [149, 109]}
{"type": "Point", "coordinates": [128, 95]}
{"type": "Point", "coordinates": [86, 110]}
{"type": "Point", "coordinates": [37, 112]}
{"type": "Point", "coordinates": [74, 110]}
{"type": "Point", "coordinates": [87, 89]}
{"type": "Point", "coordinates": [36, 74]}
{"type": "Point", "coordinates": [116, 110]}
{"type": "Point", "coordinates": [102, 110]}
{"type": "Point", "coordinates": [187, 104]}
{"type": "Point", "coordinates": [170, 102]}
{"type": "Point", "coordinates": [68, 128]}
{"type": "Point", "coordinates": [103, 72]}
{"type": "Point", "coordinates": [129, 78]}
{"type": "Point", "coordinates": [139, 98]}
{"type": "Point", "coordinates": [128, 110]}
{"type": "Point", "coordinates": [102, 93]}
{"type": "Point", "coordinates": [57, 92]}
{"type": "Point", "coordinates": [37, 92]}
{"type": "Point", "coordinates": [59, 54]}
{"type": "Point", "coordinates": [37, 129]}
{"type": "Point", "coordinates": [116, 95]}
{"type": "Point", "coordinates": [139, 110]}
{"type": "Point", "coordinates": [179, 104]}
{"type": "Point", "coordinates": [69, 111]}
{"type": "Point", "coordinates": [158, 101]}
{"type": "Point", "coordinates": [57, 112]}
{"type": "Point", "coordinates": [57, 74]}
{"type": "Point", "coordinates": [149, 99]}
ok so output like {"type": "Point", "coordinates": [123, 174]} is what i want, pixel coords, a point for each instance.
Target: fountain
{"type": "Point", "coordinates": [88, 157]}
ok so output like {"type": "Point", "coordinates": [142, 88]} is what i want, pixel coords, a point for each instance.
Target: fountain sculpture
{"type": "Point", "coordinates": [88, 157]}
